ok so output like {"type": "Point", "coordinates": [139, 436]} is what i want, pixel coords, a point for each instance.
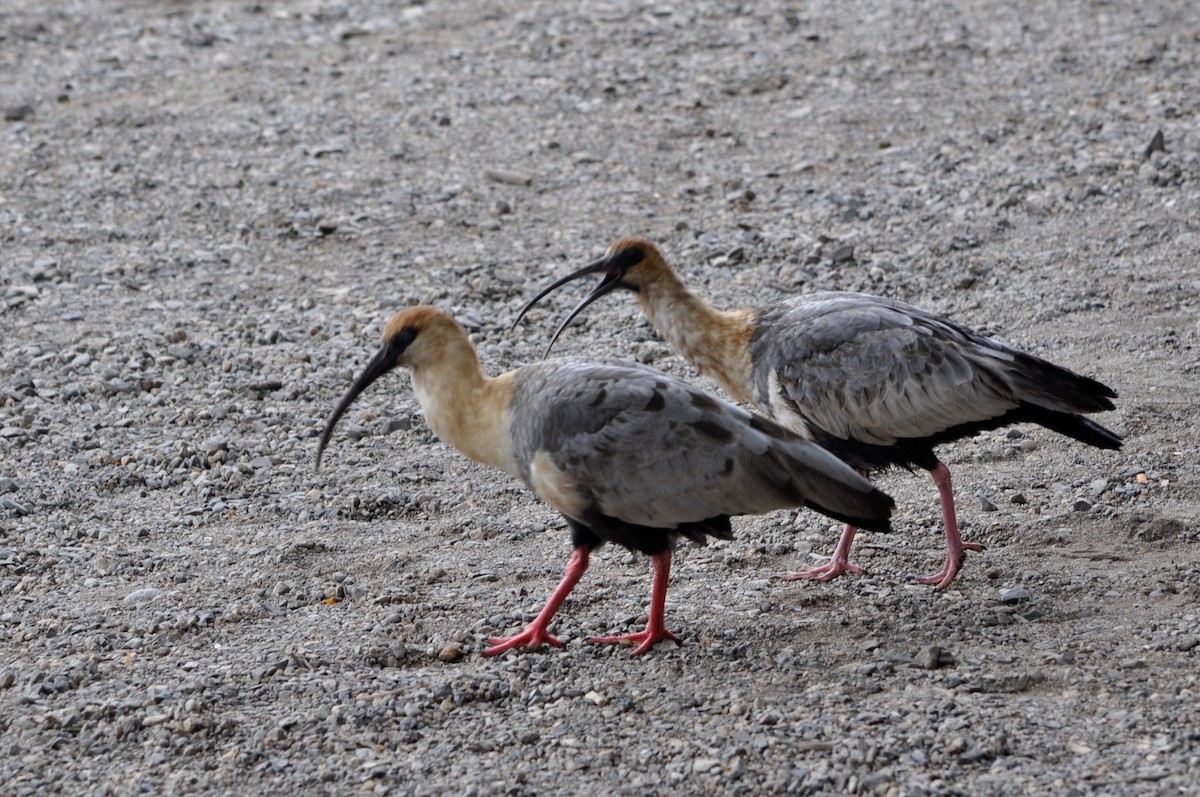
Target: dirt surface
{"type": "Point", "coordinates": [208, 209]}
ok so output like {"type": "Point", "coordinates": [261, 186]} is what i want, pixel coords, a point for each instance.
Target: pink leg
{"type": "Point", "coordinates": [955, 548]}
{"type": "Point", "coordinates": [656, 623]}
{"type": "Point", "coordinates": [535, 633]}
{"type": "Point", "coordinates": [838, 565]}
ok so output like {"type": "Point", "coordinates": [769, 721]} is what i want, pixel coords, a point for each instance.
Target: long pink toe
{"type": "Point", "coordinates": [839, 565]}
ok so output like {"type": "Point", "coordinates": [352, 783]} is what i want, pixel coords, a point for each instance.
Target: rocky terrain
{"type": "Point", "coordinates": [208, 210]}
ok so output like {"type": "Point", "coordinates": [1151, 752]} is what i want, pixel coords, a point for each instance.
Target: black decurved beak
{"type": "Point", "coordinates": [610, 280]}
{"type": "Point", "coordinates": [383, 361]}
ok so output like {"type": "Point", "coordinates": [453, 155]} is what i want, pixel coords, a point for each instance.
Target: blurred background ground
{"type": "Point", "coordinates": [208, 209]}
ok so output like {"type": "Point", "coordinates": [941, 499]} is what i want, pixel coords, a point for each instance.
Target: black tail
{"type": "Point", "coordinates": [1074, 426]}
{"type": "Point", "coordinates": [878, 503]}
{"type": "Point", "coordinates": [1057, 389]}
{"type": "Point", "coordinates": [1057, 398]}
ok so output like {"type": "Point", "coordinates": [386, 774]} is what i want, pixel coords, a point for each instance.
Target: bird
{"type": "Point", "coordinates": [627, 454]}
{"type": "Point", "coordinates": [878, 382]}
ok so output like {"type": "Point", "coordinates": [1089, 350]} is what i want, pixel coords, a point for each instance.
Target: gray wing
{"type": "Point", "coordinates": [870, 369]}
{"type": "Point", "coordinates": [646, 448]}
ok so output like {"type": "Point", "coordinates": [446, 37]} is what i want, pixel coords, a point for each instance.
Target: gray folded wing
{"type": "Point", "coordinates": [651, 450]}
{"type": "Point", "coordinates": [870, 369]}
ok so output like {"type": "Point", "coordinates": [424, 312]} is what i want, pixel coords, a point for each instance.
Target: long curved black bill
{"type": "Point", "coordinates": [383, 361]}
{"type": "Point", "coordinates": [609, 281]}
{"type": "Point", "coordinates": [595, 267]}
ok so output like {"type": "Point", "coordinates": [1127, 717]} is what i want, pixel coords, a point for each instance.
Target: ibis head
{"type": "Point", "coordinates": [631, 263]}
{"type": "Point", "coordinates": [411, 339]}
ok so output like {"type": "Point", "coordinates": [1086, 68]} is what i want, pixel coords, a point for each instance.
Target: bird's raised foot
{"type": "Point", "coordinates": [643, 639]}
{"type": "Point", "coordinates": [945, 577]}
{"type": "Point", "coordinates": [825, 572]}
{"type": "Point", "coordinates": [533, 637]}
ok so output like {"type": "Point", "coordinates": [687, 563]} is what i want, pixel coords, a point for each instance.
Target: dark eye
{"type": "Point", "coordinates": [628, 258]}
{"type": "Point", "coordinates": [399, 342]}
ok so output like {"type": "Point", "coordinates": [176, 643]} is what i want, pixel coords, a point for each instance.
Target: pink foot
{"type": "Point", "coordinates": [656, 622]}
{"type": "Point", "coordinates": [837, 566]}
{"type": "Point", "coordinates": [643, 639]}
{"type": "Point", "coordinates": [945, 577]}
{"type": "Point", "coordinates": [825, 572]}
{"type": "Point", "coordinates": [532, 637]}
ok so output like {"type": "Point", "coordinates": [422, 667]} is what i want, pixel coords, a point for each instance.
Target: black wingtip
{"type": "Point", "coordinates": [1077, 427]}
{"type": "Point", "coordinates": [877, 502]}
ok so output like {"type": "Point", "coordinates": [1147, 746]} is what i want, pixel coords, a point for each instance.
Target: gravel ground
{"type": "Point", "coordinates": [207, 210]}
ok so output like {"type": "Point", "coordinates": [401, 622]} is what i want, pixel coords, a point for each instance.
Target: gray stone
{"type": "Point", "coordinates": [16, 113]}
{"type": "Point", "coordinates": [143, 595]}
{"type": "Point", "coordinates": [398, 424]}
{"type": "Point", "coordinates": [929, 658]}
{"type": "Point", "coordinates": [842, 254]}
{"type": "Point", "coordinates": [1015, 595]}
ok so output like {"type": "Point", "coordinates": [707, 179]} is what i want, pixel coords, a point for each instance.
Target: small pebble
{"type": "Point", "coordinates": [843, 254]}
{"type": "Point", "coordinates": [509, 176]}
{"type": "Point", "coordinates": [929, 658]}
{"type": "Point", "coordinates": [16, 113]}
{"type": "Point", "coordinates": [400, 424]}
{"type": "Point", "coordinates": [144, 595]}
{"type": "Point", "coordinates": [1015, 595]}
